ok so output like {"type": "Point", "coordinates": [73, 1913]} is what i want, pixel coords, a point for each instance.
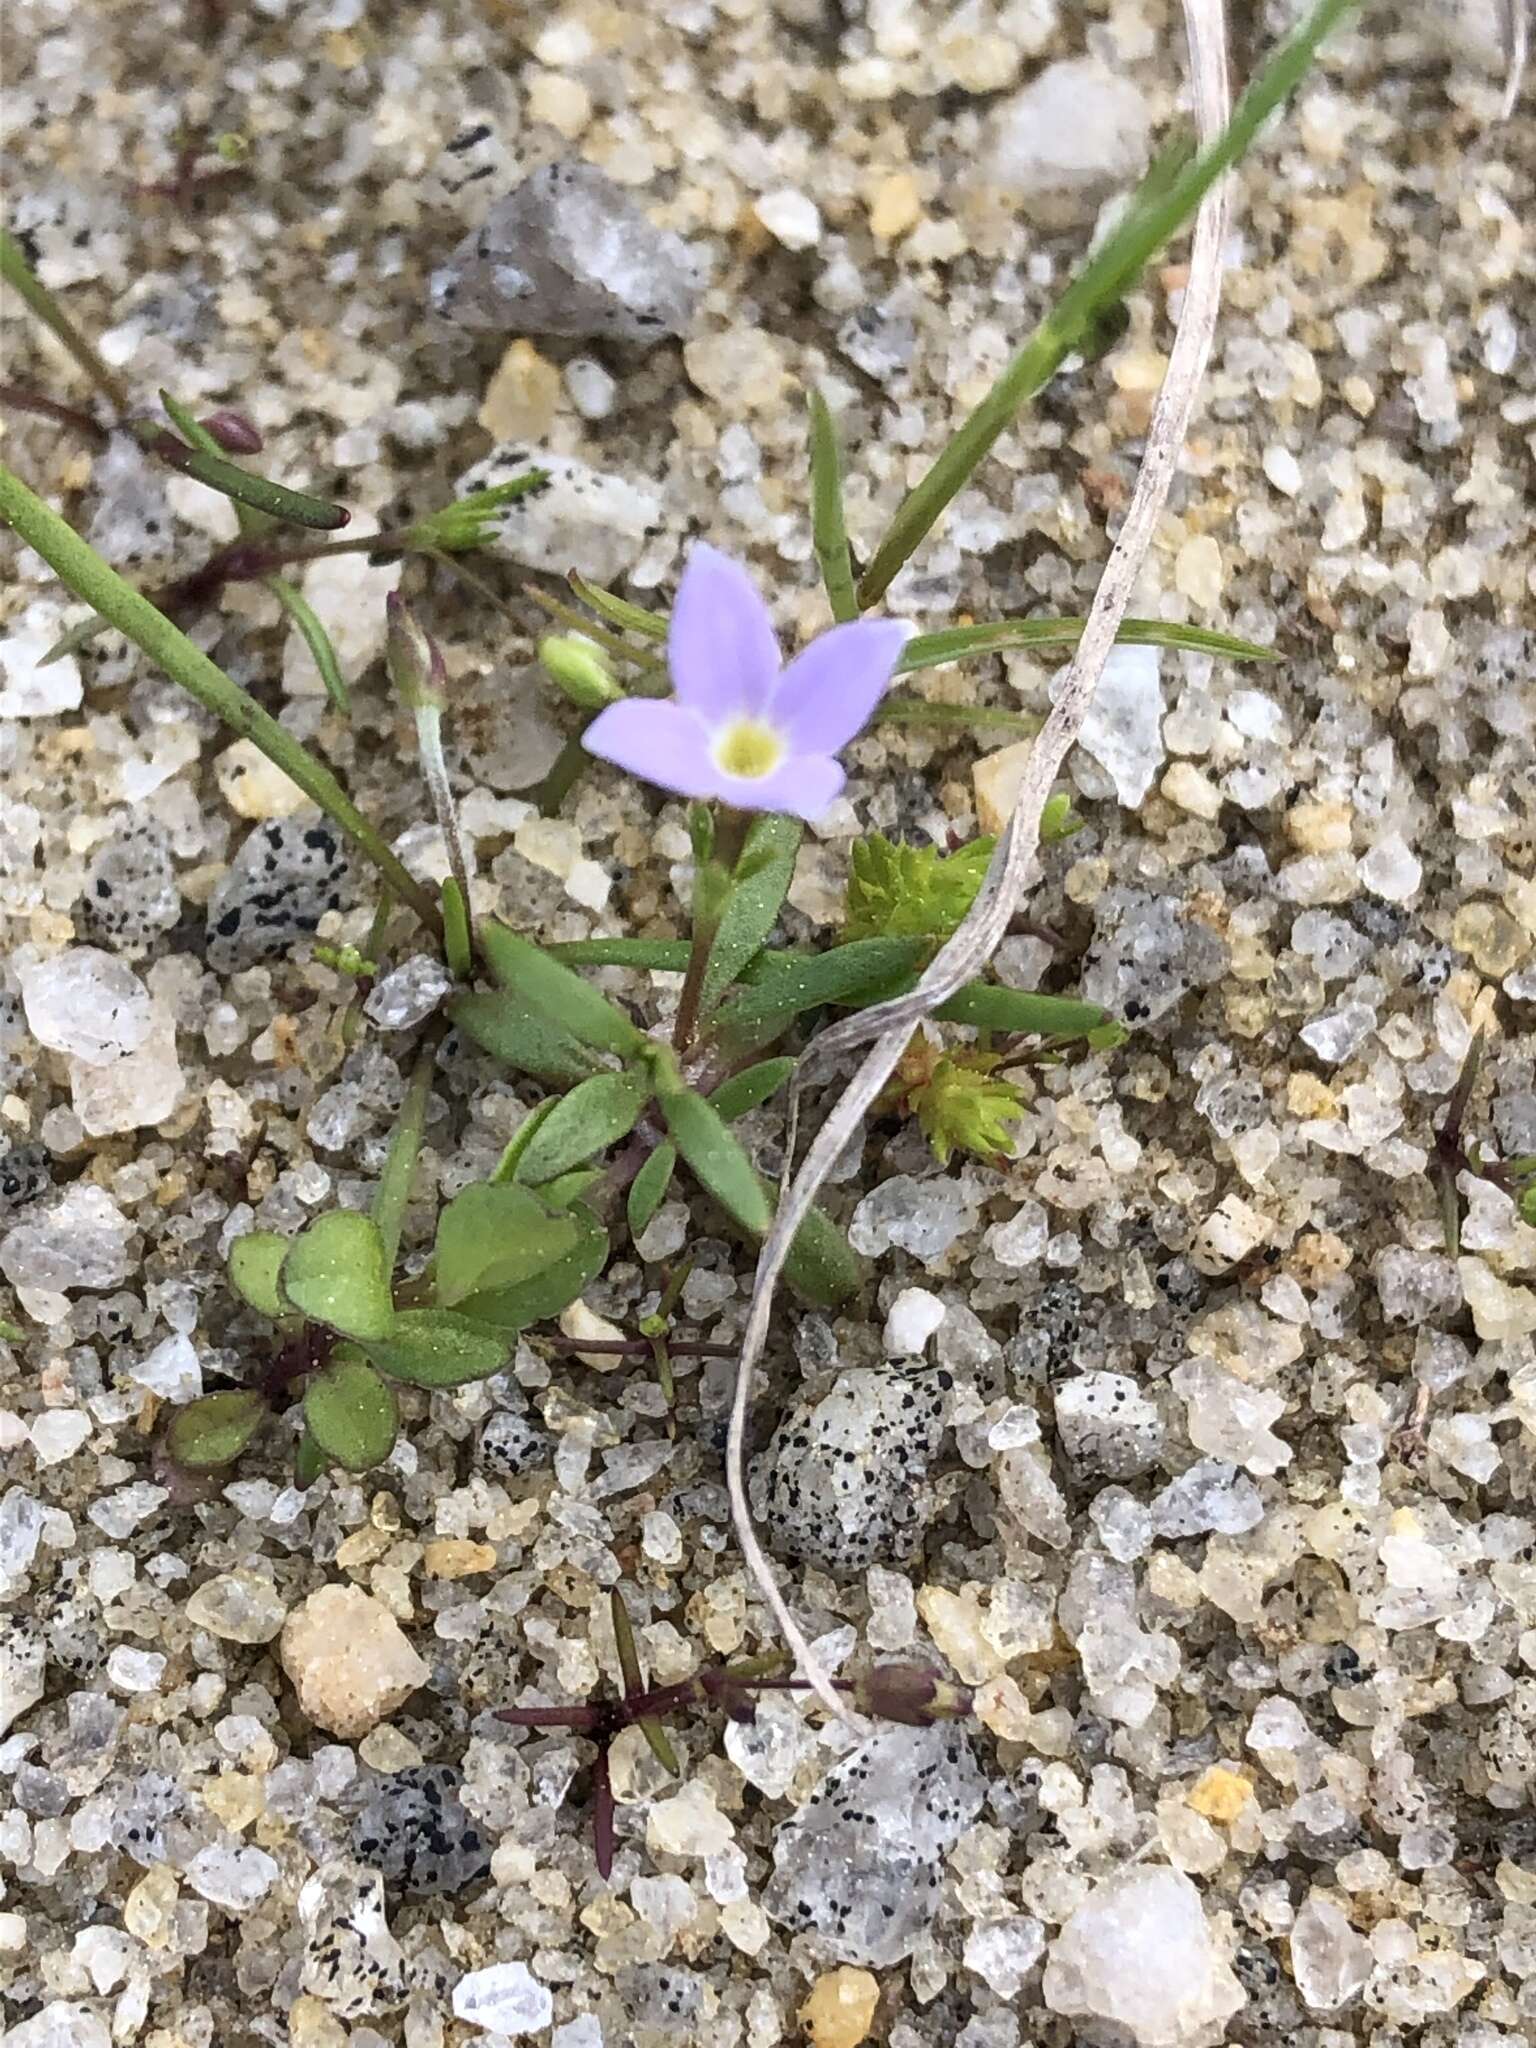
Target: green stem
{"type": "Point", "coordinates": [570, 763]}
{"type": "Point", "coordinates": [710, 889]}
{"type": "Point", "coordinates": [393, 1195]}
{"type": "Point", "coordinates": [19, 275]}
{"type": "Point", "coordinates": [1149, 222]}
{"type": "Point", "coordinates": [82, 570]}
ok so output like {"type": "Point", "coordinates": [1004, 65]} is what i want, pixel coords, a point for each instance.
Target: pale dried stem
{"type": "Point", "coordinates": [972, 946]}
{"type": "Point", "coordinates": [1515, 30]}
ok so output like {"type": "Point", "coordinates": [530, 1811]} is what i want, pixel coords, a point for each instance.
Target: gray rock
{"type": "Point", "coordinates": [280, 884]}
{"type": "Point", "coordinates": [568, 252]}
{"type": "Point", "coordinates": [859, 1867]}
{"type": "Point", "coordinates": [841, 1483]}
{"type": "Point", "coordinates": [130, 893]}
{"type": "Point", "coordinates": [578, 518]}
{"type": "Point", "coordinates": [512, 1445]}
{"type": "Point", "coordinates": [415, 1833]}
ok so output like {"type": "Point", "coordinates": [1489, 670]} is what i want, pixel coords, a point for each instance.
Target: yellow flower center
{"type": "Point", "coordinates": [749, 749]}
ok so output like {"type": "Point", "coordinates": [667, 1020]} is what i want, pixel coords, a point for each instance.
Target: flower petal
{"type": "Point", "coordinates": [804, 786]}
{"type": "Point", "coordinates": [658, 741]}
{"type": "Point", "coordinates": [829, 692]}
{"type": "Point", "coordinates": [721, 647]}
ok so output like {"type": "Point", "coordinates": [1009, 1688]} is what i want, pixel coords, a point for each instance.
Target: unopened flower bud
{"type": "Point", "coordinates": [414, 661]}
{"type": "Point", "coordinates": [235, 434]}
{"type": "Point", "coordinates": [910, 1694]}
{"type": "Point", "coordinates": [578, 667]}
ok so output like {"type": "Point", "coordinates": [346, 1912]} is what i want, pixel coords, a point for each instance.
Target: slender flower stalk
{"type": "Point", "coordinates": [416, 669]}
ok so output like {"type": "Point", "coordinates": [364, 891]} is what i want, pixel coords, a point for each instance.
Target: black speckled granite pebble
{"type": "Point", "coordinates": [280, 884]}
{"type": "Point", "coordinates": [414, 1832]}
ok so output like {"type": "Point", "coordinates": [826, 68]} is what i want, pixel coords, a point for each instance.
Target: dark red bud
{"type": "Point", "coordinates": [910, 1694]}
{"type": "Point", "coordinates": [235, 434]}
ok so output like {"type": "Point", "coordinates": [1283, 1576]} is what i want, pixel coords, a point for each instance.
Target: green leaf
{"type": "Point", "coordinates": [11, 1333]}
{"type": "Point", "coordinates": [965, 643]}
{"type": "Point", "coordinates": [565, 998]}
{"type": "Point", "coordinates": [315, 638]}
{"type": "Point", "coordinates": [963, 1105]}
{"type": "Point", "coordinates": [822, 1267]}
{"type": "Point", "coordinates": [789, 983]}
{"type": "Point", "coordinates": [546, 1292]}
{"type": "Point", "coordinates": [458, 947]}
{"type": "Point", "coordinates": [434, 1347]}
{"type": "Point", "coordinates": [618, 611]}
{"type": "Point", "coordinates": [254, 1261]}
{"type": "Point", "coordinates": [214, 1430]}
{"type": "Point", "coordinates": [751, 1088]}
{"type": "Point", "coordinates": [896, 708]}
{"type": "Point", "coordinates": [668, 955]}
{"type": "Point", "coordinates": [308, 1461]}
{"type": "Point", "coordinates": [335, 1272]}
{"type": "Point", "coordinates": [992, 1008]}
{"type": "Point", "coordinates": [471, 521]}
{"type": "Point", "coordinates": [509, 1029]}
{"type": "Point", "coordinates": [648, 1189]}
{"type": "Point", "coordinates": [391, 1198]}
{"type": "Point", "coordinates": [753, 901]}
{"type": "Point", "coordinates": [829, 530]}
{"type": "Point", "coordinates": [895, 890]}
{"type": "Point", "coordinates": [493, 1235]}
{"type": "Point", "coordinates": [1106, 276]}
{"type": "Point", "coordinates": [595, 1115]}
{"type": "Point", "coordinates": [296, 508]}
{"type": "Point", "coordinates": [568, 1188]}
{"type": "Point", "coordinates": [82, 570]}
{"type": "Point", "coordinates": [717, 1157]}
{"type": "Point", "coordinates": [350, 1413]}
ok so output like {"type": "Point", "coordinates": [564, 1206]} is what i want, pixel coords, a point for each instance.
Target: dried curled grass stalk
{"type": "Point", "coordinates": [890, 1024]}
{"type": "Point", "coordinates": [1515, 34]}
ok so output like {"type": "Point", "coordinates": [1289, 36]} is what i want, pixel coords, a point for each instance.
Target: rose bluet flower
{"type": "Point", "coordinates": [743, 727]}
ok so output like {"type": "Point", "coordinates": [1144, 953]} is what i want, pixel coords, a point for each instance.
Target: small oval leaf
{"type": "Point", "coordinates": [595, 1115]}
{"type": "Point", "coordinates": [751, 1088]}
{"type": "Point", "coordinates": [496, 1235]}
{"type": "Point", "coordinates": [822, 1266]}
{"type": "Point", "coordinates": [308, 1461]}
{"type": "Point", "coordinates": [254, 1263]}
{"type": "Point", "coordinates": [335, 1273]}
{"type": "Point", "coordinates": [509, 1309]}
{"type": "Point", "coordinates": [510, 1030]}
{"type": "Point", "coordinates": [214, 1430]}
{"type": "Point", "coordinates": [648, 1189]}
{"type": "Point", "coordinates": [350, 1412]}
{"type": "Point", "coordinates": [434, 1347]}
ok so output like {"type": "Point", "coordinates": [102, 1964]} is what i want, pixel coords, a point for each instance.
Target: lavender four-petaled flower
{"type": "Point", "coordinates": [742, 727]}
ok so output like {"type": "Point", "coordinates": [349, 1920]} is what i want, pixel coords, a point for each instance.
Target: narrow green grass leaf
{"type": "Point", "coordinates": [315, 638]}
{"type": "Point", "coordinates": [1106, 277]}
{"type": "Point", "coordinates": [618, 611]}
{"type": "Point", "coordinates": [829, 528]}
{"type": "Point", "coordinates": [393, 1194]}
{"type": "Point", "coordinates": [667, 956]}
{"type": "Point", "coordinates": [991, 1007]}
{"type": "Point", "coordinates": [917, 712]}
{"type": "Point", "coordinates": [753, 902]}
{"type": "Point", "coordinates": [458, 947]}
{"type": "Point", "coordinates": [82, 570]}
{"type": "Point", "coordinates": [964, 643]}
{"type": "Point", "coordinates": [751, 1088]}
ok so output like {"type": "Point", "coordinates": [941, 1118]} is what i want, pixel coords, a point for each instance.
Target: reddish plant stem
{"type": "Point", "coordinates": [20, 399]}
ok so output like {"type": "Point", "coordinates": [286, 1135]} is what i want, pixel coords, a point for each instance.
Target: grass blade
{"type": "Point", "coordinates": [315, 638]}
{"type": "Point", "coordinates": [963, 643]}
{"type": "Point", "coordinates": [828, 527]}
{"type": "Point", "coordinates": [19, 275]}
{"type": "Point", "coordinates": [1108, 274]}
{"type": "Point", "coordinates": [618, 611]}
{"type": "Point", "coordinates": [78, 566]}
{"type": "Point", "coordinates": [917, 712]}
{"type": "Point", "coordinates": [392, 1196]}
